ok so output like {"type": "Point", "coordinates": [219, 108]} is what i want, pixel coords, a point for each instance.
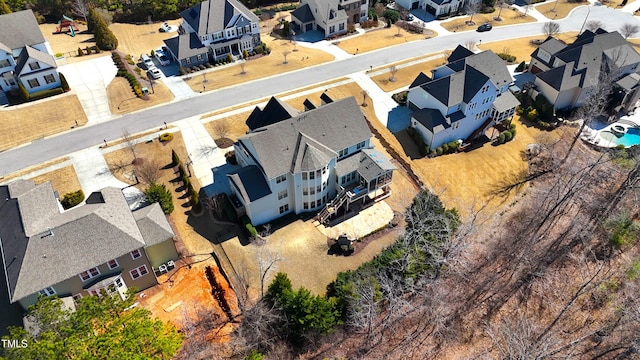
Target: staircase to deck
{"type": "Point", "coordinates": [333, 206]}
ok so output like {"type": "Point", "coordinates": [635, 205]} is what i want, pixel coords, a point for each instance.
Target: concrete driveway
{"type": "Point", "coordinates": [89, 80]}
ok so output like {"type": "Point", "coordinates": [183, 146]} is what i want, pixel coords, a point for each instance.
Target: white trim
{"type": "Point", "coordinates": [139, 254]}
{"type": "Point", "coordinates": [89, 274]}
{"type": "Point", "coordinates": [109, 265]}
{"type": "Point", "coordinates": [139, 270]}
{"type": "Point", "coordinates": [48, 291]}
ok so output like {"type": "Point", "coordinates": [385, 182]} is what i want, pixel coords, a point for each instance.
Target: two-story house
{"type": "Point", "coordinates": [214, 29]}
{"type": "Point", "coordinates": [319, 159]}
{"type": "Point", "coordinates": [462, 98]}
{"type": "Point", "coordinates": [434, 7]}
{"type": "Point", "coordinates": [567, 74]}
{"type": "Point", "coordinates": [25, 55]}
{"type": "Point", "coordinates": [330, 17]}
{"type": "Point", "coordinates": [100, 245]}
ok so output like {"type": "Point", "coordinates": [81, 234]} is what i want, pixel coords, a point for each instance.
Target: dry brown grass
{"type": "Point", "coordinates": [33, 169]}
{"type": "Point", "coordinates": [262, 67]}
{"type": "Point", "coordinates": [406, 75]}
{"type": "Point", "coordinates": [562, 8]}
{"type": "Point", "coordinates": [31, 121]}
{"type": "Point", "coordinates": [140, 39]}
{"type": "Point", "coordinates": [509, 17]}
{"type": "Point", "coordinates": [380, 38]}
{"type": "Point", "coordinates": [235, 123]}
{"type": "Point", "coordinates": [522, 48]}
{"type": "Point", "coordinates": [122, 100]}
{"type": "Point", "coordinates": [63, 180]}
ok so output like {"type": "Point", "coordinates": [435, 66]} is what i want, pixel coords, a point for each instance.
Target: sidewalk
{"type": "Point", "coordinates": [203, 151]}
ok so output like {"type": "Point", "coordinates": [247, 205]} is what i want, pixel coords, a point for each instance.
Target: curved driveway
{"type": "Point", "coordinates": [50, 148]}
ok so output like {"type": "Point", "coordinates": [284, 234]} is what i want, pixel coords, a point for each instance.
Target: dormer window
{"type": "Point", "coordinates": [34, 66]}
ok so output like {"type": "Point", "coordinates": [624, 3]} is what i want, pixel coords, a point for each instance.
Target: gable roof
{"type": "Point", "coordinates": [44, 246]}
{"type": "Point", "coordinates": [32, 53]}
{"type": "Point", "coordinates": [275, 111]}
{"type": "Point", "coordinates": [419, 80]}
{"type": "Point", "coordinates": [335, 126]}
{"type": "Point", "coordinates": [185, 45]}
{"type": "Point", "coordinates": [333, 12]}
{"type": "Point", "coordinates": [487, 63]}
{"type": "Point", "coordinates": [250, 183]}
{"type": "Point", "coordinates": [212, 16]}
{"type": "Point", "coordinates": [303, 13]}
{"type": "Point", "coordinates": [456, 88]}
{"type": "Point", "coordinates": [460, 52]}
{"type": "Point", "coordinates": [153, 224]}
{"type": "Point", "coordinates": [431, 119]}
{"type": "Point", "coordinates": [310, 155]}
{"type": "Point", "coordinates": [20, 28]}
{"type": "Point", "coordinates": [373, 164]}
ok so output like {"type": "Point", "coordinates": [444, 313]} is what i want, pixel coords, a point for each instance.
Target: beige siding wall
{"type": "Point", "coordinates": [161, 253]}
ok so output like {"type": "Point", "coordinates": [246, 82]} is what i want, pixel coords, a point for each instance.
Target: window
{"type": "Point", "coordinates": [363, 2]}
{"type": "Point", "coordinates": [119, 283]}
{"type": "Point", "coordinates": [312, 190]}
{"type": "Point", "coordinates": [343, 152]}
{"type": "Point", "coordinates": [312, 175]}
{"type": "Point", "coordinates": [94, 293]}
{"type": "Point", "coordinates": [305, 205]}
{"type": "Point", "coordinates": [112, 264]}
{"type": "Point", "coordinates": [360, 145]}
{"type": "Point", "coordinates": [332, 29]}
{"type": "Point", "coordinates": [313, 204]}
{"type": "Point", "coordinates": [199, 57]}
{"type": "Point", "coordinates": [305, 191]}
{"type": "Point", "coordinates": [136, 254]}
{"type": "Point", "coordinates": [240, 31]}
{"type": "Point", "coordinates": [341, 27]}
{"type": "Point", "coordinates": [139, 271]}
{"type": "Point", "coordinates": [187, 61]}
{"type": "Point", "coordinates": [281, 178]}
{"type": "Point", "coordinates": [284, 208]}
{"type": "Point", "coordinates": [48, 291]}
{"type": "Point", "coordinates": [49, 78]}
{"type": "Point", "coordinates": [282, 194]}
{"type": "Point", "coordinates": [318, 188]}
{"type": "Point", "coordinates": [4, 63]}
{"type": "Point", "coordinates": [77, 297]}
{"type": "Point", "coordinates": [86, 275]}
{"type": "Point", "coordinates": [217, 36]}
{"type": "Point", "coordinates": [33, 83]}
{"type": "Point", "coordinates": [318, 173]}
{"type": "Point", "coordinates": [34, 66]}
{"type": "Point", "coordinates": [304, 176]}
{"type": "Point", "coordinates": [247, 29]}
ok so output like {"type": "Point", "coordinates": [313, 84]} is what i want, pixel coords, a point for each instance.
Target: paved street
{"type": "Point", "coordinates": [93, 135]}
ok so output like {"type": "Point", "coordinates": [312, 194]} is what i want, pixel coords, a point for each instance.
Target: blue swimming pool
{"type": "Point", "coordinates": [631, 138]}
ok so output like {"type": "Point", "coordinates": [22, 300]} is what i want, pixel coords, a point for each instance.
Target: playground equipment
{"type": "Point", "coordinates": [67, 23]}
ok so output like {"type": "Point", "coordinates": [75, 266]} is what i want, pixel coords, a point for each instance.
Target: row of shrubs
{"type": "Point", "coordinates": [87, 50]}
{"type": "Point", "coordinates": [246, 222]}
{"type": "Point", "coordinates": [72, 199]}
{"type": "Point", "coordinates": [196, 205]}
{"type": "Point", "coordinates": [275, 9]}
{"type": "Point", "coordinates": [507, 57]}
{"type": "Point", "coordinates": [507, 135]}
{"type": "Point", "coordinates": [124, 72]}
{"type": "Point", "coordinates": [448, 148]}
{"type": "Point", "coordinates": [64, 87]}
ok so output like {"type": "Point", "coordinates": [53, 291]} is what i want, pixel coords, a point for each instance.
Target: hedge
{"type": "Point", "coordinates": [248, 226]}
{"type": "Point", "coordinates": [175, 160]}
{"type": "Point", "coordinates": [45, 94]}
{"type": "Point", "coordinates": [72, 199]}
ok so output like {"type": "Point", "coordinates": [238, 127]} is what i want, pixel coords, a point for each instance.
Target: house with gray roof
{"type": "Point", "coordinates": [567, 73]}
{"type": "Point", "coordinates": [317, 160]}
{"type": "Point", "coordinates": [213, 29]}
{"type": "Point", "coordinates": [330, 17]}
{"type": "Point", "coordinates": [25, 55]}
{"type": "Point", "coordinates": [462, 98]}
{"type": "Point", "coordinates": [100, 245]}
{"type": "Point", "coordinates": [433, 7]}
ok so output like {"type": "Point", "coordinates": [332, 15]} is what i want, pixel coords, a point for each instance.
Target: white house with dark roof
{"type": "Point", "coordinates": [567, 73]}
{"type": "Point", "coordinates": [321, 159]}
{"type": "Point", "coordinates": [100, 245]}
{"type": "Point", "coordinates": [462, 98]}
{"type": "Point", "coordinates": [434, 7]}
{"type": "Point", "coordinates": [330, 17]}
{"type": "Point", "coordinates": [214, 29]}
{"type": "Point", "coordinates": [25, 55]}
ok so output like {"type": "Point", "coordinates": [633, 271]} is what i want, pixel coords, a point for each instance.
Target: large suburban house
{"type": "Point", "coordinates": [100, 245]}
{"type": "Point", "coordinates": [320, 159]}
{"type": "Point", "coordinates": [330, 17]}
{"type": "Point", "coordinates": [434, 7]}
{"type": "Point", "coordinates": [213, 29]}
{"type": "Point", "coordinates": [25, 56]}
{"type": "Point", "coordinates": [567, 73]}
{"type": "Point", "coordinates": [462, 98]}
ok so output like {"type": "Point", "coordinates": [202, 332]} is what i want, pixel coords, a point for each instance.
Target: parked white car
{"type": "Point", "coordinates": [154, 73]}
{"type": "Point", "coordinates": [162, 57]}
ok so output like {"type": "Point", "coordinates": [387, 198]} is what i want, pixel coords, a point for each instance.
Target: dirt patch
{"type": "Point", "coordinates": [509, 16]}
{"type": "Point", "coordinates": [379, 38]}
{"type": "Point", "coordinates": [122, 100]}
{"type": "Point", "coordinates": [28, 122]}
{"type": "Point", "coordinates": [63, 180]}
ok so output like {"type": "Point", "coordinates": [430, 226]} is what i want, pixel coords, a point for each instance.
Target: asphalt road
{"type": "Point", "coordinates": [50, 148]}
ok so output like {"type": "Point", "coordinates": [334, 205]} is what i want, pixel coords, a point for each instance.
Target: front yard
{"type": "Point", "coordinates": [380, 38]}
{"type": "Point", "coordinates": [508, 16]}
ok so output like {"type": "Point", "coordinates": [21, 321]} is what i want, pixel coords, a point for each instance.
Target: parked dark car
{"type": "Point", "coordinates": [485, 27]}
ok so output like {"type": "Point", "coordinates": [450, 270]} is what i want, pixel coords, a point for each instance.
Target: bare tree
{"type": "Point", "coordinates": [470, 44]}
{"type": "Point", "coordinates": [501, 4]}
{"type": "Point", "coordinates": [267, 263]}
{"type": "Point", "coordinates": [629, 30]}
{"type": "Point", "coordinates": [393, 70]}
{"type": "Point", "coordinates": [221, 128]}
{"type": "Point", "coordinates": [215, 203]}
{"type": "Point", "coordinates": [551, 28]}
{"type": "Point", "coordinates": [148, 172]}
{"type": "Point", "coordinates": [593, 25]}
{"type": "Point", "coordinates": [130, 144]}
{"type": "Point", "coordinates": [527, 6]}
{"type": "Point", "coordinates": [472, 7]}
{"type": "Point", "coordinates": [80, 8]}
{"type": "Point", "coordinates": [243, 65]}
{"type": "Point", "coordinates": [285, 53]}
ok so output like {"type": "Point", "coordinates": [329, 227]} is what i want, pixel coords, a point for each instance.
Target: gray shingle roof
{"type": "Point", "coordinates": [303, 14]}
{"type": "Point", "coordinates": [310, 155]}
{"type": "Point", "coordinates": [336, 126]}
{"type": "Point", "coordinates": [185, 45]}
{"type": "Point", "coordinates": [432, 119]}
{"type": "Point", "coordinates": [275, 111]}
{"type": "Point", "coordinates": [153, 224]}
{"type": "Point", "coordinates": [629, 82]}
{"type": "Point", "coordinates": [373, 164]}
{"type": "Point", "coordinates": [458, 87]}
{"type": "Point", "coordinates": [19, 29]}
{"type": "Point", "coordinates": [50, 247]}
{"type": "Point", "coordinates": [488, 64]}
{"type": "Point", "coordinates": [212, 16]}
{"type": "Point", "coordinates": [419, 80]}
{"type": "Point", "coordinates": [460, 52]}
{"type": "Point", "coordinates": [31, 53]}
{"type": "Point", "coordinates": [347, 165]}
{"type": "Point", "coordinates": [250, 182]}
{"type": "Point", "coordinates": [505, 101]}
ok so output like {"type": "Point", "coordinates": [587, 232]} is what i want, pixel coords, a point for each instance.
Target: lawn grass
{"type": "Point", "coordinates": [509, 16]}
{"type": "Point", "coordinates": [235, 124]}
{"type": "Point", "coordinates": [35, 120]}
{"type": "Point", "coordinates": [379, 38]}
{"type": "Point", "coordinates": [63, 180]}
{"type": "Point", "coordinates": [298, 58]}
{"type": "Point", "coordinates": [406, 75]}
{"type": "Point", "coordinates": [562, 8]}
{"type": "Point", "coordinates": [522, 48]}
{"type": "Point", "coordinates": [140, 39]}
{"type": "Point", "coordinates": [122, 100]}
